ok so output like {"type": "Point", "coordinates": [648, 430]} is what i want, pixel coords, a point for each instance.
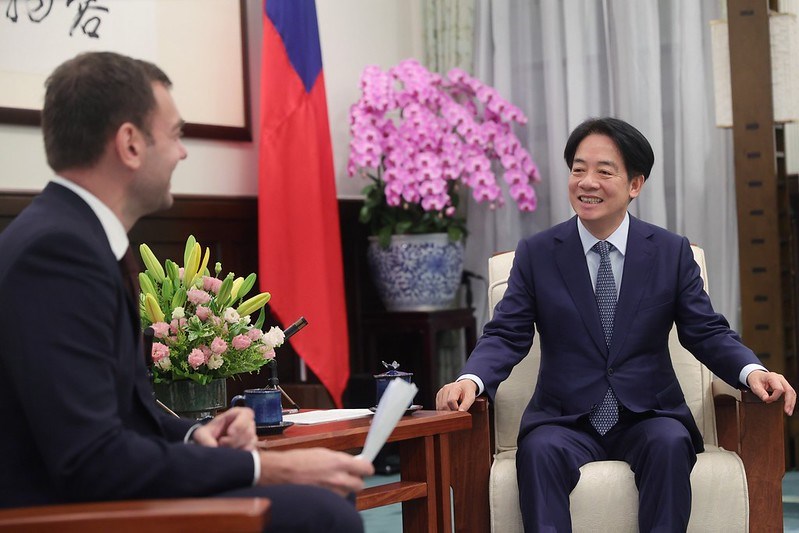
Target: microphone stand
{"type": "Point", "coordinates": [274, 382]}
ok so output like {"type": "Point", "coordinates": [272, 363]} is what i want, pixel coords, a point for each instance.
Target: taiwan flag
{"type": "Point", "coordinates": [299, 237]}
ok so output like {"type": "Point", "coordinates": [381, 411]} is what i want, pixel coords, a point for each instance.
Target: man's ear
{"type": "Point", "coordinates": [129, 143]}
{"type": "Point", "coordinates": [636, 184]}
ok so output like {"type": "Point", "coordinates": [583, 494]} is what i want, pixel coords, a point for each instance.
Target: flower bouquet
{"type": "Point", "coordinates": [419, 136]}
{"type": "Point", "coordinates": [201, 323]}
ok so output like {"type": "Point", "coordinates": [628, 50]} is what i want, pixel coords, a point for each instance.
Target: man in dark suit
{"type": "Point", "coordinates": [603, 289]}
{"type": "Point", "coordinates": [77, 409]}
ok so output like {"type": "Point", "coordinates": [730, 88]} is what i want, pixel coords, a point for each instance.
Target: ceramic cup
{"type": "Point", "coordinates": [265, 403]}
{"type": "Point", "coordinates": [382, 381]}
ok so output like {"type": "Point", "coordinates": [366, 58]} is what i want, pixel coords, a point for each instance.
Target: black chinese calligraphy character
{"type": "Point", "coordinates": [37, 10]}
{"type": "Point", "coordinates": [91, 24]}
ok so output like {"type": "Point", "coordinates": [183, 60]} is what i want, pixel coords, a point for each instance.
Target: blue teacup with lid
{"type": "Point", "coordinates": [391, 373]}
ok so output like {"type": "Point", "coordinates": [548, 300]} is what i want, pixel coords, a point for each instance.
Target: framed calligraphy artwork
{"type": "Point", "coordinates": [200, 44]}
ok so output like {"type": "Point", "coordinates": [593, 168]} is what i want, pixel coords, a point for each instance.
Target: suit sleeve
{"type": "Point", "coordinates": [62, 306]}
{"type": "Point", "coordinates": [703, 332]}
{"type": "Point", "coordinates": [507, 338]}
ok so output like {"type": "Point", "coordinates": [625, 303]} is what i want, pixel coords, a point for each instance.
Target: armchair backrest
{"type": "Point", "coordinates": [515, 392]}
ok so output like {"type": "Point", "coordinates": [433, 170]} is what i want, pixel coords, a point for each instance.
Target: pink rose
{"type": "Point", "coordinates": [161, 330]}
{"type": "Point", "coordinates": [218, 346]}
{"type": "Point", "coordinates": [211, 284]}
{"type": "Point", "coordinates": [240, 342]}
{"type": "Point", "coordinates": [203, 312]}
{"type": "Point", "coordinates": [196, 359]}
{"type": "Point", "coordinates": [198, 297]}
{"type": "Point", "coordinates": [160, 351]}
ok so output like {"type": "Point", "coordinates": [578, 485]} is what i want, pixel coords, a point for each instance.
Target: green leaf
{"type": "Point", "coordinates": [384, 236]}
{"type": "Point", "coordinates": [455, 233]}
{"type": "Point", "coordinates": [403, 227]}
{"type": "Point", "coordinates": [365, 215]}
{"type": "Point", "coordinates": [261, 318]}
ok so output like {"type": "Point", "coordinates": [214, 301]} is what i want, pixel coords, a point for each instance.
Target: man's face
{"type": "Point", "coordinates": [599, 189]}
{"type": "Point", "coordinates": [163, 151]}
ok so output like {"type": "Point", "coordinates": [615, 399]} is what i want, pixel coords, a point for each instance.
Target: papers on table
{"type": "Point", "coordinates": [328, 415]}
{"type": "Point", "coordinates": [392, 406]}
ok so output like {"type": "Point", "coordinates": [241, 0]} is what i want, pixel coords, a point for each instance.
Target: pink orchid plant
{"type": "Point", "coordinates": [201, 324]}
{"type": "Point", "coordinates": [418, 136]}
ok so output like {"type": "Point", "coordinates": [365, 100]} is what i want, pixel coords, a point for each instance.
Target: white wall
{"type": "Point", "coordinates": [353, 34]}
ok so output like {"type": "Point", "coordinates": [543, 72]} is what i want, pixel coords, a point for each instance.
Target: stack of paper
{"type": "Point", "coordinates": [328, 415]}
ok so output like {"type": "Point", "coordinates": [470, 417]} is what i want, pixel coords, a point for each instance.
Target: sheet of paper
{"type": "Point", "coordinates": [392, 406]}
{"type": "Point", "coordinates": [328, 415]}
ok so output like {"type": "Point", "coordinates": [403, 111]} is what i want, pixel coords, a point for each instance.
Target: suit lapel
{"type": "Point", "coordinates": [638, 262]}
{"type": "Point", "coordinates": [570, 259]}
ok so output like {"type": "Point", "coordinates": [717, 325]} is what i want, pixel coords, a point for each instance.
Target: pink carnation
{"type": "Point", "coordinates": [268, 353]}
{"type": "Point", "coordinates": [176, 324]}
{"type": "Point", "coordinates": [159, 351]}
{"type": "Point", "coordinates": [196, 359]}
{"type": "Point", "coordinates": [212, 284]}
{"type": "Point", "coordinates": [255, 334]}
{"type": "Point", "coordinates": [240, 342]}
{"type": "Point", "coordinates": [161, 330]}
{"type": "Point", "coordinates": [218, 346]}
{"type": "Point", "coordinates": [198, 297]}
{"type": "Point", "coordinates": [202, 312]}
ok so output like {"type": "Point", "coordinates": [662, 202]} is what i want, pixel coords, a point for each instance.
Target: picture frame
{"type": "Point", "coordinates": [211, 91]}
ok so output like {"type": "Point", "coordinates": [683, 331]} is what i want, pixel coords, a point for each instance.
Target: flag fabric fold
{"type": "Point", "coordinates": [299, 236]}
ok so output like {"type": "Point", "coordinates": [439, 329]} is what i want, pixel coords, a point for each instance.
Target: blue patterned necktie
{"type": "Point", "coordinates": [606, 414]}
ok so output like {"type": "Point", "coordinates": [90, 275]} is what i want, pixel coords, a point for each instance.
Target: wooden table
{"type": "Point", "coordinates": [428, 466]}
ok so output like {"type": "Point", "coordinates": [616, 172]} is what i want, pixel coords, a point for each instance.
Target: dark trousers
{"type": "Point", "coordinates": [304, 509]}
{"type": "Point", "coordinates": [658, 450]}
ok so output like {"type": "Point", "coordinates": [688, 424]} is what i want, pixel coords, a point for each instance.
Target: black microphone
{"type": "Point", "coordinates": [295, 327]}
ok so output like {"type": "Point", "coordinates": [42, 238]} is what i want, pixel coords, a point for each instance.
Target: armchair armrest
{"type": "Point", "coordinates": [755, 431]}
{"type": "Point", "coordinates": [154, 516]}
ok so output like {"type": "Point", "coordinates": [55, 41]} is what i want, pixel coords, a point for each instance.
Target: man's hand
{"type": "Point", "coordinates": [336, 471]}
{"type": "Point", "coordinates": [234, 428]}
{"type": "Point", "coordinates": [457, 396]}
{"type": "Point", "coordinates": [769, 386]}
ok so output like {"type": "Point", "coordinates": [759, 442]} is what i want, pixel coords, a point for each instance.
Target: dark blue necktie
{"type": "Point", "coordinates": [606, 414]}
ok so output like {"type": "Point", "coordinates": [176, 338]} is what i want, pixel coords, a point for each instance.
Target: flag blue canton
{"type": "Point", "coordinates": [295, 21]}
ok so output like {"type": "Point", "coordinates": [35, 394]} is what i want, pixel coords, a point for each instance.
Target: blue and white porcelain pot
{"type": "Point", "coordinates": [416, 272]}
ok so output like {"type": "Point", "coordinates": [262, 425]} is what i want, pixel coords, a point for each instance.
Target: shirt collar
{"type": "Point", "coordinates": [114, 230]}
{"type": "Point", "coordinates": [618, 238]}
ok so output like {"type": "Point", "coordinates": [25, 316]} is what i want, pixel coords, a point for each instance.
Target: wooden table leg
{"type": "Point", "coordinates": [417, 463]}
{"type": "Point", "coordinates": [470, 467]}
{"type": "Point", "coordinates": [442, 492]}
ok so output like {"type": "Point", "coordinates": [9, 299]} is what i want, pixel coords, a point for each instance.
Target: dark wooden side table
{"type": "Point", "coordinates": [427, 325]}
{"type": "Point", "coordinates": [438, 449]}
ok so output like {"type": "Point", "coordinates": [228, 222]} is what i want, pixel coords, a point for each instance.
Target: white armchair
{"type": "Point", "coordinates": [606, 498]}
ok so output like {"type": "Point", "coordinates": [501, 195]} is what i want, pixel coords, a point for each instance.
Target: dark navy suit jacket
{"type": "Point", "coordinates": [550, 288]}
{"type": "Point", "coordinates": [77, 413]}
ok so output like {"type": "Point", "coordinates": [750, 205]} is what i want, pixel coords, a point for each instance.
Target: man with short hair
{"type": "Point", "coordinates": [77, 409]}
{"type": "Point", "coordinates": [603, 290]}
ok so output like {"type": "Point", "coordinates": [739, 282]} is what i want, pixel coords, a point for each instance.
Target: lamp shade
{"type": "Point", "coordinates": [784, 38]}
